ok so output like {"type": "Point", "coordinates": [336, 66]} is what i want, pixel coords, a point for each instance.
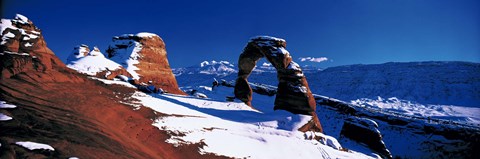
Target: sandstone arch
{"type": "Point", "coordinates": [293, 93]}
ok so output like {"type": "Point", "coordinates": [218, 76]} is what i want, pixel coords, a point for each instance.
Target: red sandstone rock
{"type": "Point", "coordinates": [293, 93]}
{"type": "Point", "coordinates": [145, 57]}
{"type": "Point", "coordinates": [89, 122]}
{"type": "Point", "coordinates": [24, 53]}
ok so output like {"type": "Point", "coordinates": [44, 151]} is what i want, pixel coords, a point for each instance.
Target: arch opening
{"type": "Point", "coordinates": [293, 92]}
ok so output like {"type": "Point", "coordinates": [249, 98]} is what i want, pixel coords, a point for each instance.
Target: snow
{"type": "Point", "coordinates": [467, 115]}
{"type": "Point", "coordinates": [96, 52]}
{"type": "Point", "coordinates": [115, 81]}
{"type": "Point", "coordinates": [435, 83]}
{"type": "Point", "coordinates": [145, 34]}
{"type": "Point", "coordinates": [91, 64]}
{"type": "Point", "coordinates": [294, 66]}
{"type": "Point", "coordinates": [9, 35]}
{"type": "Point", "coordinates": [78, 52]}
{"type": "Point", "coordinates": [221, 68]}
{"type": "Point", "coordinates": [35, 146]}
{"type": "Point", "coordinates": [263, 37]}
{"type": "Point", "coordinates": [280, 50]}
{"type": "Point", "coordinates": [9, 23]}
{"type": "Point", "coordinates": [236, 130]}
{"type": "Point", "coordinates": [4, 117]}
{"type": "Point", "coordinates": [439, 95]}
{"type": "Point", "coordinates": [6, 37]}
{"type": "Point", "coordinates": [6, 23]}
{"type": "Point", "coordinates": [4, 104]}
{"type": "Point", "coordinates": [33, 36]}
{"type": "Point", "coordinates": [21, 18]}
{"type": "Point", "coordinates": [127, 57]}
{"type": "Point", "coordinates": [15, 53]}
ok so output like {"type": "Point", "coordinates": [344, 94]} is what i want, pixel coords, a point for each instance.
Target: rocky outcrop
{"type": "Point", "coordinates": [293, 93]}
{"type": "Point", "coordinates": [94, 63]}
{"type": "Point", "coordinates": [75, 115]}
{"type": "Point", "coordinates": [144, 56]}
{"type": "Point", "coordinates": [24, 54]}
{"type": "Point", "coordinates": [365, 131]}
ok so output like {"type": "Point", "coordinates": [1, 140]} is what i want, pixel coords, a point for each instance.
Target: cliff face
{"type": "Point", "coordinates": [145, 57]}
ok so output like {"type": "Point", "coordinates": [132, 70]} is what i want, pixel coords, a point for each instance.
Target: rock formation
{"type": "Point", "coordinates": [365, 131]}
{"type": "Point", "coordinates": [293, 93]}
{"type": "Point", "coordinates": [62, 108]}
{"type": "Point", "coordinates": [25, 54]}
{"type": "Point", "coordinates": [145, 58]}
{"type": "Point", "coordinates": [94, 63]}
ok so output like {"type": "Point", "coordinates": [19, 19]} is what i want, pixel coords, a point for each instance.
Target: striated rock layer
{"type": "Point", "coordinates": [75, 115]}
{"type": "Point", "coordinates": [145, 57]}
{"type": "Point", "coordinates": [24, 54]}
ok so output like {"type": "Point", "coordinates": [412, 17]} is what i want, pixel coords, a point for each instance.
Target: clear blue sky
{"type": "Point", "coordinates": [344, 31]}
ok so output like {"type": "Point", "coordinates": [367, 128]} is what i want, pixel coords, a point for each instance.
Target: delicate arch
{"type": "Point", "coordinates": [293, 93]}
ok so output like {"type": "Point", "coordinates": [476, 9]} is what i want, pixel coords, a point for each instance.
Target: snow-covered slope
{"type": "Point", "coordinates": [439, 83]}
{"type": "Point", "coordinates": [393, 105]}
{"type": "Point", "coordinates": [234, 129]}
{"type": "Point", "coordinates": [422, 108]}
{"type": "Point", "coordinates": [91, 62]}
{"type": "Point", "coordinates": [128, 56]}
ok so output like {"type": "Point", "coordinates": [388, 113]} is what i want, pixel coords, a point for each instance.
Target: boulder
{"type": "Point", "coordinates": [293, 93]}
{"type": "Point", "coordinates": [144, 56]}
{"type": "Point", "coordinates": [365, 131]}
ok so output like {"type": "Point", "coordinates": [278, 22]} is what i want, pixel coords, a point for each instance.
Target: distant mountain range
{"type": "Point", "coordinates": [225, 68]}
{"type": "Point", "coordinates": [433, 82]}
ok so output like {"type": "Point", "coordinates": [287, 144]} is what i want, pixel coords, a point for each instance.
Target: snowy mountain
{"type": "Point", "coordinates": [225, 68]}
{"type": "Point", "coordinates": [445, 83]}
{"type": "Point", "coordinates": [256, 133]}
{"type": "Point", "coordinates": [205, 72]}
{"type": "Point", "coordinates": [221, 68]}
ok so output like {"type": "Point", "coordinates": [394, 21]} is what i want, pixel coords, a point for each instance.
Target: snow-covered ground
{"type": "Point", "coordinates": [427, 83]}
{"type": "Point", "coordinates": [466, 115]}
{"type": "Point", "coordinates": [437, 90]}
{"type": "Point", "coordinates": [236, 130]}
{"type": "Point", "coordinates": [92, 63]}
{"type": "Point", "coordinates": [411, 102]}
{"type": "Point", "coordinates": [428, 98]}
